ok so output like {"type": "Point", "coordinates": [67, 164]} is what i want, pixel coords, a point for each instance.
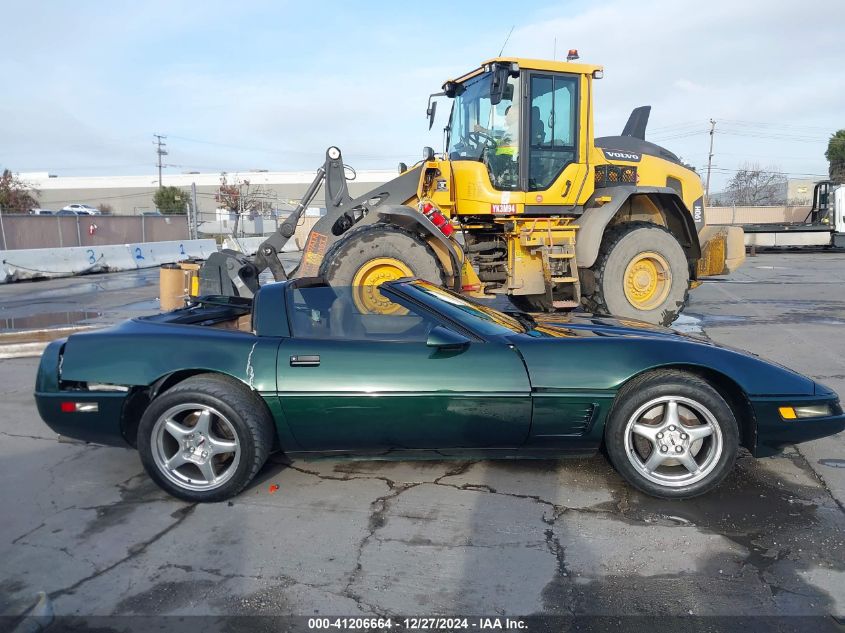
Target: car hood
{"type": "Point", "coordinates": [585, 324]}
{"type": "Point", "coordinates": [586, 352]}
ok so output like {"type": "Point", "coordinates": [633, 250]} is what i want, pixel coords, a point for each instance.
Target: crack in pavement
{"type": "Point", "coordinates": [50, 439]}
{"type": "Point", "coordinates": [28, 532]}
{"type": "Point", "coordinates": [818, 476]}
{"type": "Point", "coordinates": [377, 521]}
{"type": "Point", "coordinates": [134, 550]}
{"type": "Point", "coordinates": [287, 581]}
{"type": "Point", "coordinates": [758, 557]}
{"type": "Point", "coordinates": [381, 505]}
{"type": "Point", "coordinates": [122, 486]}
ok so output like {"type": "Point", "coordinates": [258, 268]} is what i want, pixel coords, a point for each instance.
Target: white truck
{"type": "Point", "coordinates": [823, 226]}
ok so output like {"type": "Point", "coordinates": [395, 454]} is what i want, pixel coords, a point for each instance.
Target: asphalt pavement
{"type": "Point", "coordinates": [85, 525]}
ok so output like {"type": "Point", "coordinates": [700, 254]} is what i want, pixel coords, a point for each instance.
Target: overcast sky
{"type": "Point", "coordinates": [271, 84]}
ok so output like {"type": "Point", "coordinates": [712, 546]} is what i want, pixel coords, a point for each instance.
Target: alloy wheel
{"type": "Point", "coordinates": [195, 447]}
{"type": "Point", "coordinates": [673, 441]}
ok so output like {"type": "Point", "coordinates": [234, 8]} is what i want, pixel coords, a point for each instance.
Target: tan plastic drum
{"type": "Point", "coordinates": [171, 283]}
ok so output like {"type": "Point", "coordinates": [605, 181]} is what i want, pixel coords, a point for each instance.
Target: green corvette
{"type": "Point", "coordinates": [408, 369]}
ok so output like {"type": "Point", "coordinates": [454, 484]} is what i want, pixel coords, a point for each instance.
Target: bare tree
{"type": "Point", "coordinates": [240, 196]}
{"type": "Point", "coordinates": [243, 199]}
{"type": "Point", "coordinates": [753, 186]}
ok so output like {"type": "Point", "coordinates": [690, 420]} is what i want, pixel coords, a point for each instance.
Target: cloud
{"type": "Point", "coordinates": [265, 86]}
{"type": "Point", "coordinates": [688, 86]}
{"type": "Point", "coordinates": [756, 62]}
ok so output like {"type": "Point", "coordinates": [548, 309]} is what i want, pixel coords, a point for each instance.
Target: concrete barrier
{"type": "Point", "coordinates": [41, 263]}
{"type": "Point", "coordinates": [156, 253]}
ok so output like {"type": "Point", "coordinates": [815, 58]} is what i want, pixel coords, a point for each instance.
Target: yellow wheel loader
{"type": "Point", "coordinates": [523, 202]}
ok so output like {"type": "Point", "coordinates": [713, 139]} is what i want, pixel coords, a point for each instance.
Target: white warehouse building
{"type": "Point", "coordinates": [133, 195]}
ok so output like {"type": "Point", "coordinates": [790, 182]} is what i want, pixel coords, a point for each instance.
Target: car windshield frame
{"type": "Point", "coordinates": [474, 316]}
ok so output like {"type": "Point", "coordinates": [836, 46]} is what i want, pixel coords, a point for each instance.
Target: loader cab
{"type": "Point", "coordinates": [524, 122]}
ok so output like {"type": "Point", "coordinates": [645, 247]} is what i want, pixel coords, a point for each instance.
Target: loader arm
{"type": "Point", "coordinates": [230, 273]}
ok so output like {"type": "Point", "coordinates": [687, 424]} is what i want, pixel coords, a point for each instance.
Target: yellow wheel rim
{"type": "Point", "coordinates": [647, 281]}
{"type": "Point", "coordinates": [369, 277]}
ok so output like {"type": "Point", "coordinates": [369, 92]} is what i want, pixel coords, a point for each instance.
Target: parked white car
{"type": "Point", "coordinates": [82, 209]}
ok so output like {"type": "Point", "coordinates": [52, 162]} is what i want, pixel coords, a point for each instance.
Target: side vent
{"type": "Point", "coordinates": [582, 419]}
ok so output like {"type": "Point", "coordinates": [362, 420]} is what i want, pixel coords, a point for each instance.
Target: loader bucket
{"type": "Point", "coordinates": [722, 250]}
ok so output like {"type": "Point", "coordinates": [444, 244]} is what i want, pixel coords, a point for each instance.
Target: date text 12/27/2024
{"type": "Point", "coordinates": [418, 624]}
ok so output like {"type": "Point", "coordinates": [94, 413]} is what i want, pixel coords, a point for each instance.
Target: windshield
{"type": "Point", "coordinates": [484, 132]}
{"type": "Point", "coordinates": [475, 316]}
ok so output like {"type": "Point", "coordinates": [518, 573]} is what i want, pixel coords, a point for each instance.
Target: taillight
{"type": "Point", "coordinates": [79, 407]}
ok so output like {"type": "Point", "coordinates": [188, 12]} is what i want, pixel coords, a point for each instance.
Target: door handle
{"type": "Point", "coordinates": [305, 361]}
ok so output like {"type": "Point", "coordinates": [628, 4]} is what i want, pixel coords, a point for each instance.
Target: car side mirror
{"type": "Point", "coordinates": [444, 338]}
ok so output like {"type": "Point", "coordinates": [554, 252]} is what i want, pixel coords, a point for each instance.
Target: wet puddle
{"type": "Point", "coordinates": [688, 324]}
{"type": "Point", "coordinates": [150, 305]}
{"type": "Point", "coordinates": [47, 320]}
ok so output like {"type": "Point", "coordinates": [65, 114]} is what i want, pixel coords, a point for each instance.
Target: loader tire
{"type": "Point", "coordinates": [641, 273]}
{"type": "Point", "coordinates": [377, 253]}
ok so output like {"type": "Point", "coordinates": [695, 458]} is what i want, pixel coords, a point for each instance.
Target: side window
{"type": "Point", "coordinates": [551, 128]}
{"type": "Point", "coordinates": [355, 314]}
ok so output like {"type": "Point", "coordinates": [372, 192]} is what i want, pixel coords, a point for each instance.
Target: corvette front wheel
{"type": "Point", "coordinates": [671, 434]}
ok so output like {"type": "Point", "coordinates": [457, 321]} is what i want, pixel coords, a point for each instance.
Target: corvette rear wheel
{"type": "Point", "coordinates": [671, 434]}
{"type": "Point", "coordinates": [205, 438]}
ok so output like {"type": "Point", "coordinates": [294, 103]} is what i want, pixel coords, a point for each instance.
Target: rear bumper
{"type": "Point", "coordinates": [100, 427]}
{"type": "Point", "coordinates": [773, 432]}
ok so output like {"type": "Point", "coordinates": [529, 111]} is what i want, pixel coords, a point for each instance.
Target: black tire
{"type": "Point", "coordinates": [347, 256]}
{"type": "Point", "coordinates": [605, 279]}
{"type": "Point", "coordinates": [248, 420]}
{"type": "Point", "coordinates": [630, 458]}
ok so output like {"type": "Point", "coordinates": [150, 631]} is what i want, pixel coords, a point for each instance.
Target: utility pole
{"type": "Point", "coordinates": [195, 220]}
{"type": "Point", "coordinates": [160, 151]}
{"type": "Point", "coordinates": [709, 162]}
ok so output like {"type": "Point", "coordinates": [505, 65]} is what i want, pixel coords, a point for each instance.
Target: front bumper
{"type": "Point", "coordinates": [773, 432]}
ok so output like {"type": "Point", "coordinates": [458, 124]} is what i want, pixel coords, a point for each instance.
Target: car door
{"type": "Point", "coordinates": [356, 380]}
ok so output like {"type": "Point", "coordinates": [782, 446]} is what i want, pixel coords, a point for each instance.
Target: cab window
{"type": "Point", "coordinates": [552, 128]}
{"type": "Point", "coordinates": [479, 130]}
